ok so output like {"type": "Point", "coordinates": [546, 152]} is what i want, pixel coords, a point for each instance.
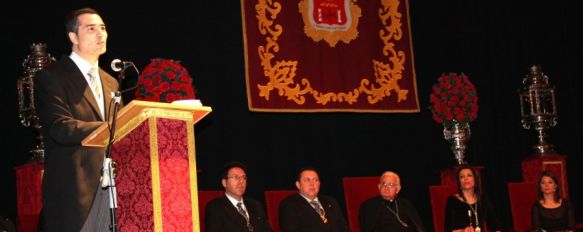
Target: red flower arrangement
{"type": "Point", "coordinates": [454, 98]}
{"type": "Point", "coordinates": [164, 80]}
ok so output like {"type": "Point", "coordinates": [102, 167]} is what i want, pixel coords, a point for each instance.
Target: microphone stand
{"type": "Point", "coordinates": [108, 175]}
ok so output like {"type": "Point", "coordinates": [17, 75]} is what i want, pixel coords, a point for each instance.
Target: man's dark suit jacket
{"type": "Point", "coordinates": [69, 112]}
{"type": "Point", "coordinates": [222, 216]}
{"type": "Point", "coordinates": [375, 217]}
{"type": "Point", "coordinates": [296, 214]}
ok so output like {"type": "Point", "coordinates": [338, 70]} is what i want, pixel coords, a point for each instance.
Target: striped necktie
{"type": "Point", "coordinates": [317, 207]}
{"type": "Point", "coordinates": [93, 82]}
{"type": "Point", "coordinates": [245, 215]}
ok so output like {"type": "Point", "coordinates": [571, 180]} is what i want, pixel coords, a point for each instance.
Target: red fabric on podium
{"type": "Point", "coordinates": [137, 176]}
{"type": "Point", "coordinates": [28, 195]}
{"type": "Point", "coordinates": [134, 181]}
{"type": "Point", "coordinates": [557, 164]}
{"type": "Point", "coordinates": [174, 175]}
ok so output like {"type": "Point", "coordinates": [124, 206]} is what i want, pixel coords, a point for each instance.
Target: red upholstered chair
{"type": "Point", "coordinates": [522, 198]}
{"type": "Point", "coordinates": [357, 190]}
{"type": "Point", "coordinates": [438, 195]}
{"type": "Point", "coordinates": [272, 199]}
{"type": "Point", "coordinates": [204, 196]}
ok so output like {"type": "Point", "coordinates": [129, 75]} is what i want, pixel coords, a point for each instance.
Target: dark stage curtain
{"type": "Point", "coordinates": [493, 42]}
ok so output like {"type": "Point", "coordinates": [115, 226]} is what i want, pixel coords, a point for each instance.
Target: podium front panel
{"type": "Point", "coordinates": [156, 176]}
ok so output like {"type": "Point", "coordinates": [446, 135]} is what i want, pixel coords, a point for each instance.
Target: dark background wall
{"type": "Point", "coordinates": [493, 42]}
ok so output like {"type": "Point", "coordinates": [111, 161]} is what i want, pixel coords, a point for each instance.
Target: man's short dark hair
{"type": "Point", "coordinates": [307, 168]}
{"type": "Point", "coordinates": [72, 21]}
{"type": "Point", "coordinates": [230, 165]}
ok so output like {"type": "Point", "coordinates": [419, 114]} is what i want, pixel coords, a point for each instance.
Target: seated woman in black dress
{"type": "Point", "coordinates": [469, 210]}
{"type": "Point", "coordinates": [551, 212]}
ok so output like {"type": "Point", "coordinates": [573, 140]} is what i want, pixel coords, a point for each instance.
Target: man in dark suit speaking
{"type": "Point", "coordinates": [233, 212]}
{"type": "Point", "coordinates": [307, 211]}
{"type": "Point", "coordinates": [71, 99]}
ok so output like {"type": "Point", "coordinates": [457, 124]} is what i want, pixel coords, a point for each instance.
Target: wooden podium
{"type": "Point", "coordinates": [154, 152]}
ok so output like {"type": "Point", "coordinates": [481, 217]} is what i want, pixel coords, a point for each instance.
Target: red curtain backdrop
{"type": "Point", "coordinates": [329, 55]}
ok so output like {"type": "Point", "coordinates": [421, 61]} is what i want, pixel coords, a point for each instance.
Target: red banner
{"type": "Point", "coordinates": [329, 55]}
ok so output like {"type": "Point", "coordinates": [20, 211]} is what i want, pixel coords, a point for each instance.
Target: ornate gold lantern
{"type": "Point", "coordinates": [35, 61]}
{"type": "Point", "coordinates": [538, 108]}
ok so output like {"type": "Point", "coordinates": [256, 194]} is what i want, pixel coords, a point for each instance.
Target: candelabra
{"type": "Point", "coordinates": [35, 61]}
{"type": "Point", "coordinates": [538, 108]}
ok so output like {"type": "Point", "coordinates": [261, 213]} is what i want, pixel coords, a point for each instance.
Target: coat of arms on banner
{"type": "Point", "coordinates": [331, 20]}
{"type": "Point", "coordinates": [329, 56]}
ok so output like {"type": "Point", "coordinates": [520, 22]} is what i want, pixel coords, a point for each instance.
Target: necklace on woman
{"type": "Point", "coordinates": [477, 228]}
{"type": "Point", "coordinates": [397, 214]}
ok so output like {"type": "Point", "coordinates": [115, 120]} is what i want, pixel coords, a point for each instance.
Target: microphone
{"type": "Point", "coordinates": [118, 65]}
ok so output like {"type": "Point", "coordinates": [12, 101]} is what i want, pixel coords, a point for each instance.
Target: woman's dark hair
{"type": "Point", "coordinates": [539, 192]}
{"type": "Point", "coordinates": [477, 182]}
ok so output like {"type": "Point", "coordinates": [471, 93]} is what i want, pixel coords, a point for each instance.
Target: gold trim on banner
{"type": "Point", "coordinates": [331, 37]}
{"type": "Point", "coordinates": [386, 76]}
{"type": "Point", "coordinates": [155, 169]}
{"type": "Point", "coordinates": [281, 74]}
{"type": "Point", "coordinates": [193, 176]}
{"type": "Point", "coordinates": [148, 113]}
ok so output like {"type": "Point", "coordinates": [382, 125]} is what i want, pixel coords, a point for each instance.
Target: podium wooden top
{"type": "Point", "coordinates": [100, 136]}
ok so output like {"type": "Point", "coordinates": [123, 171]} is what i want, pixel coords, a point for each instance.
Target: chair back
{"type": "Point", "coordinates": [522, 197]}
{"type": "Point", "coordinates": [357, 190]}
{"type": "Point", "coordinates": [204, 196]}
{"type": "Point", "coordinates": [438, 195]}
{"type": "Point", "coordinates": [272, 199]}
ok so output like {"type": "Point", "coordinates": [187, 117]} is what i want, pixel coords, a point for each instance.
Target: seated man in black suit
{"type": "Point", "coordinates": [233, 212]}
{"type": "Point", "coordinates": [386, 212]}
{"type": "Point", "coordinates": [307, 211]}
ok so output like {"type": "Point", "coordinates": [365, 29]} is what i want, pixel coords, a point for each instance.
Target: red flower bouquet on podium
{"type": "Point", "coordinates": [164, 80]}
{"type": "Point", "coordinates": [454, 103]}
